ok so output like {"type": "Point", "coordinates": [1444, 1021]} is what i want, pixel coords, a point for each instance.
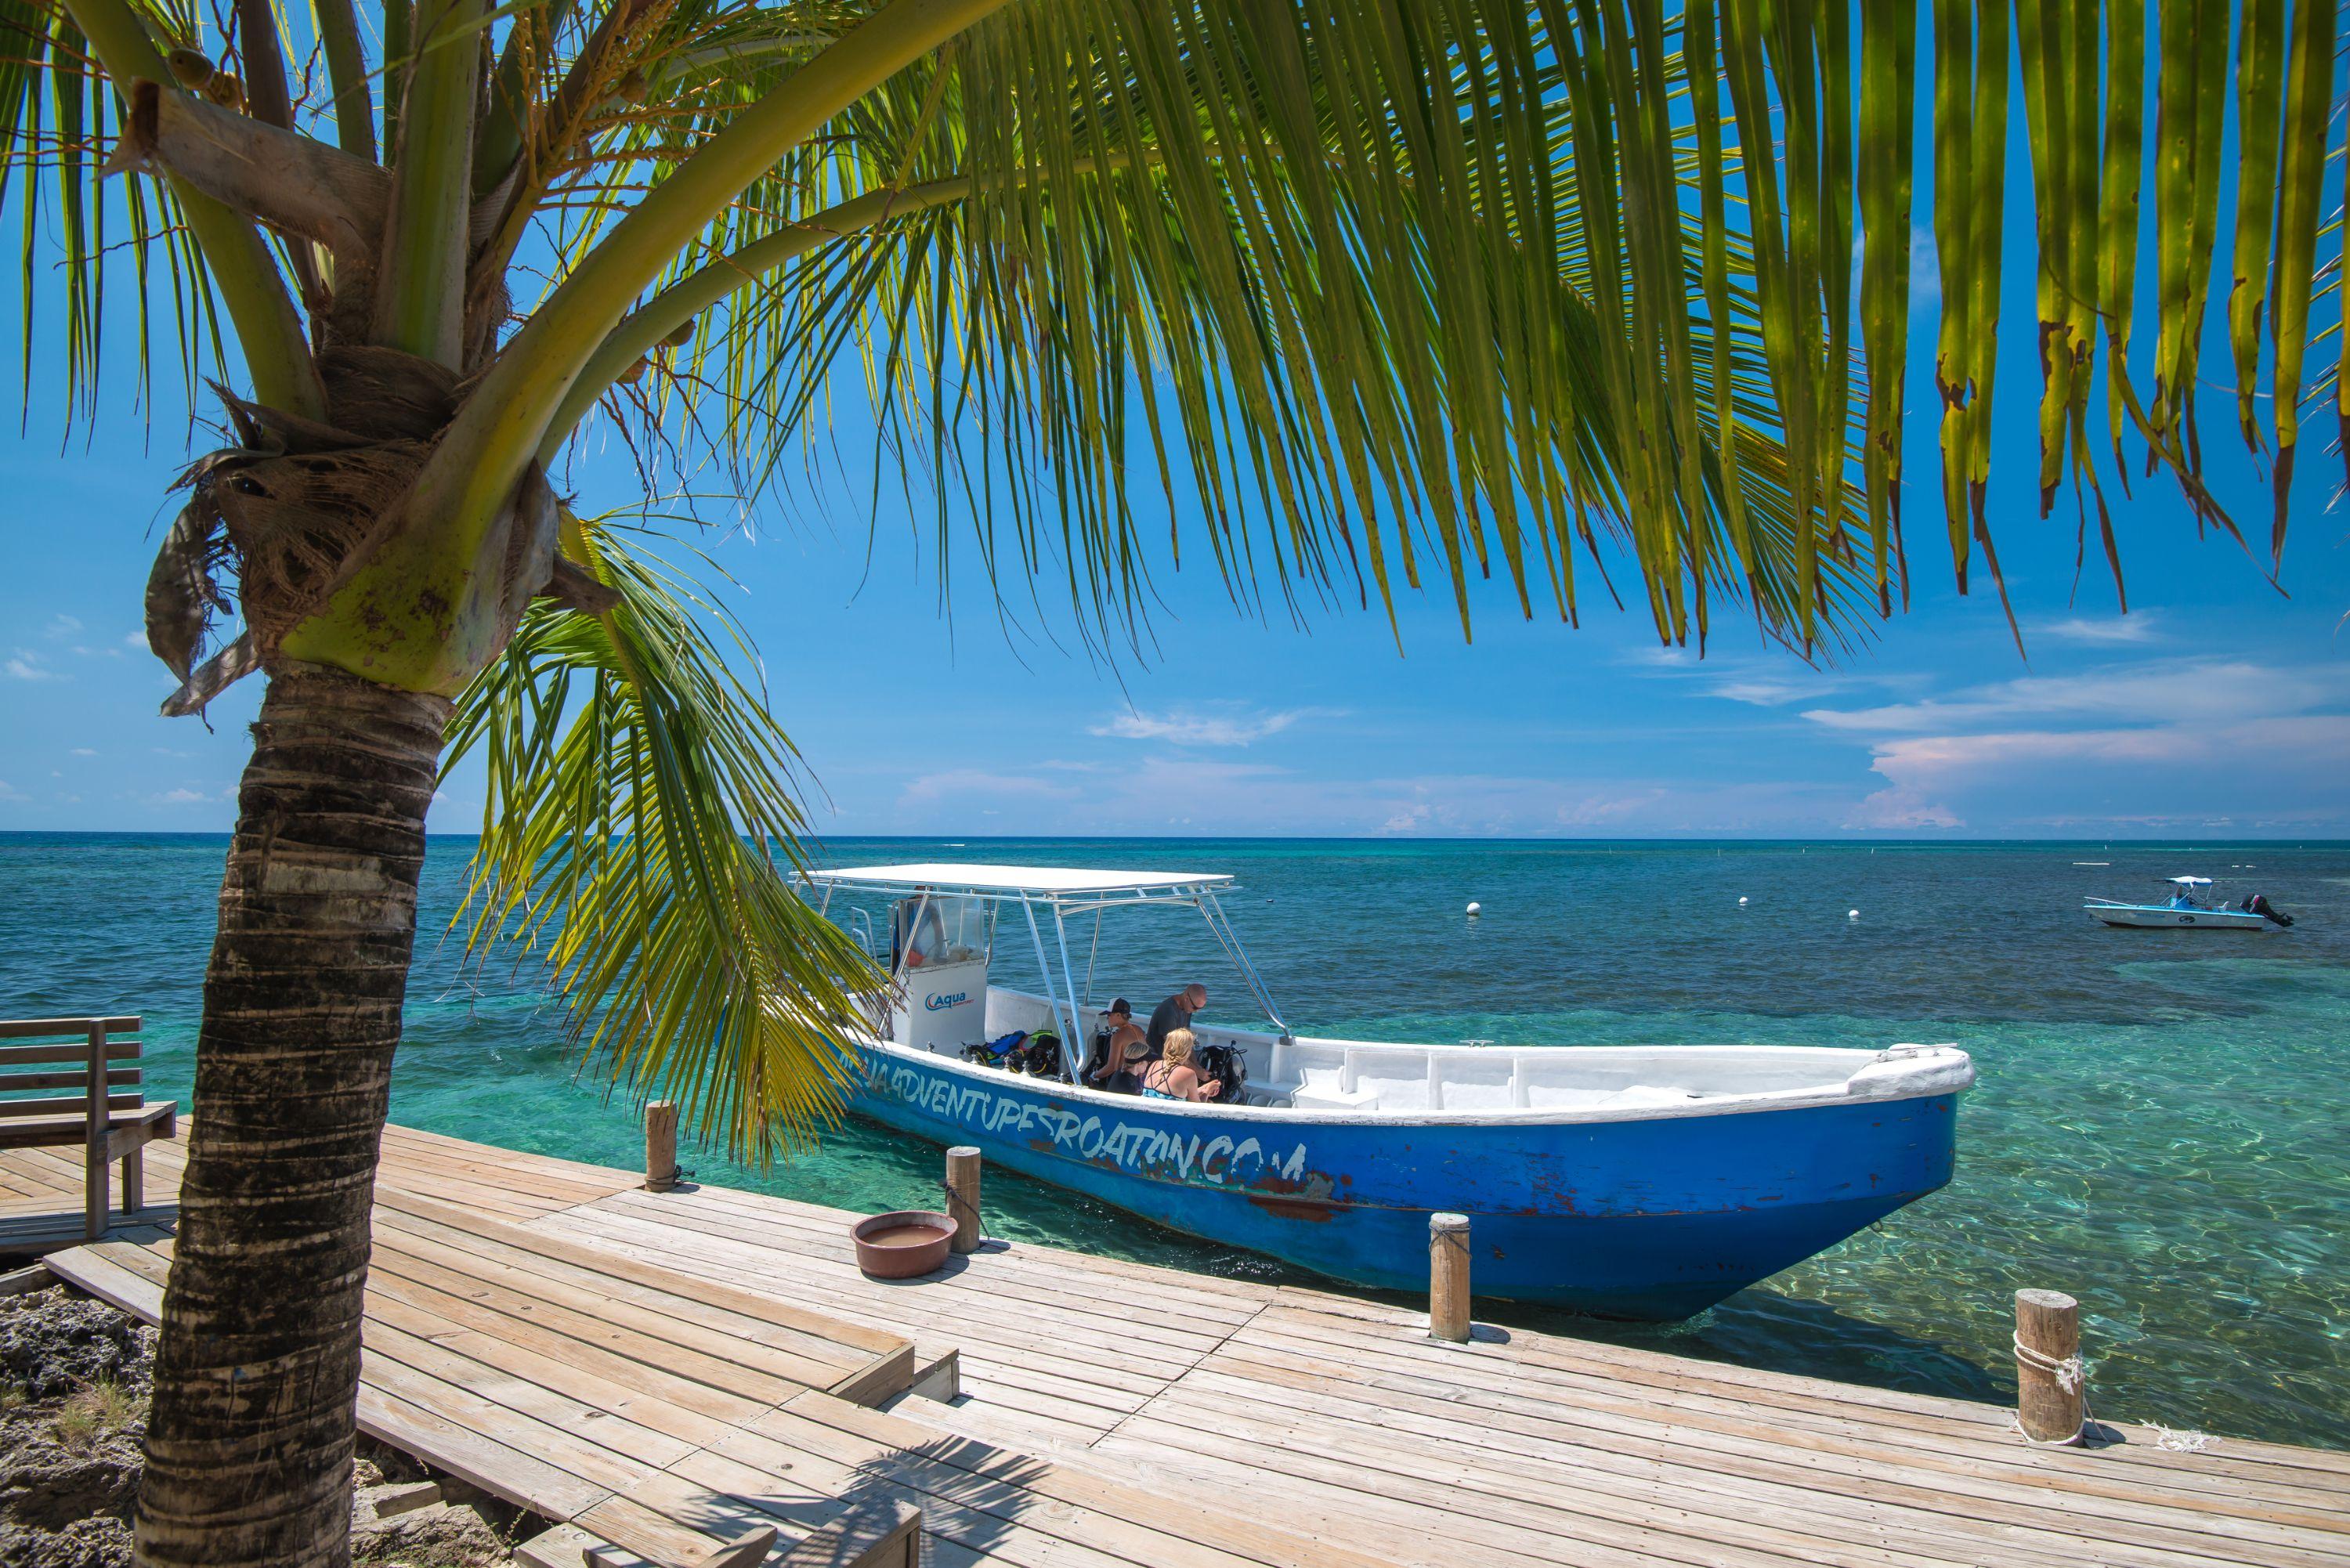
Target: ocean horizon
{"type": "Point", "coordinates": [2159, 1127]}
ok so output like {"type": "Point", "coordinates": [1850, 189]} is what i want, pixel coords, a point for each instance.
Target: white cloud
{"type": "Point", "coordinates": [2122, 630]}
{"type": "Point", "coordinates": [60, 627]}
{"type": "Point", "coordinates": [178, 797]}
{"type": "Point", "coordinates": [85, 751]}
{"type": "Point", "coordinates": [2166, 691]}
{"type": "Point", "coordinates": [1194, 727]}
{"type": "Point", "coordinates": [23, 664]}
{"type": "Point", "coordinates": [1903, 809]}
{"type": "Point", "coordinates": [2156, 776]}
{"type": "Point", "coordinates": [1214, 795]}
{"type": "Point", "coordinates": [1765, 680]}
{"type": "Point", "coordinates": [135, 639]}
{"type": "Point", "coordinates": [1764, 694]}
{"type": "Point", "coordinates": [2151, 744]}
{"type": "Point", "coordinates": [11, 794]}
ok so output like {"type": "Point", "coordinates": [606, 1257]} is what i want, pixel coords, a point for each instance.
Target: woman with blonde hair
{"type": "Point", "coordinates": [1172, 1076]}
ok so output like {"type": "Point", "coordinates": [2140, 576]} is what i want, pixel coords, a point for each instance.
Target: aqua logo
{"type": "Point", "coordinates": [937, 1003]}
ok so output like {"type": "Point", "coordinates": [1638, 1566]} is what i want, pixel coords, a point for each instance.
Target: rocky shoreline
{"type": "Point", "coordinates": [76, 1374]}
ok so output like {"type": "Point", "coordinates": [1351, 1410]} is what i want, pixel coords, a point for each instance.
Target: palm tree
{"type": "Point", "coordinates": [1384, 287]}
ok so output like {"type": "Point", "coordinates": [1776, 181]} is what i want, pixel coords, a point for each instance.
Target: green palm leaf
{"type": "Point", "coordinates": [639, 796]}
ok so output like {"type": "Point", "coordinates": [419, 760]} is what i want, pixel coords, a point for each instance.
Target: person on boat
{"type": "Point", "coordinates": [1132, 1058]}
{"type": "Point", "coordinates": [1174, 1013]}
{"type": "Point", "coordinates": [1119, 1031]}
{"type": "Point", "coordinates": [1172, 1076]}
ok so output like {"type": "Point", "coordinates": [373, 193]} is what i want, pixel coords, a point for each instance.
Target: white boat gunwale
{"type": "Point", "coordinates": [1914, 1072]}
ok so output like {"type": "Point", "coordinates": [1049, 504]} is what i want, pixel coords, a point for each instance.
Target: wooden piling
{"type": "Point", "coordinates": [661, 1145]}
{"type": "Point", "coordinates": [2050, 1393]}
{"type": "Point", "coordinates": [962, 1196]}
{"type": "Point", "coordinates": [1448, 1277]}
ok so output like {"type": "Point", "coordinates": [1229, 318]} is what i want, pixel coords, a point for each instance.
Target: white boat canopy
{"type": "Point", "coordinates": [1057, 892]}
{"type": "Point", "coordinates": [2192, 881]}
{"type": "Point", "coordinates": [1042, 881]}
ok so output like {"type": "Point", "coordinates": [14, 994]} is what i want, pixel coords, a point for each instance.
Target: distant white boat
{"type": "Point", "coordinates": [2186, 907]}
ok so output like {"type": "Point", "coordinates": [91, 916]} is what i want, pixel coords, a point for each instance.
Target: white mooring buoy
{"type": "Point", "coordinates": [1742, 898]}
{"type": "Point", "coordinates": [1476, 908]}
{"type": "Point", "coordinates": [1851, 914]}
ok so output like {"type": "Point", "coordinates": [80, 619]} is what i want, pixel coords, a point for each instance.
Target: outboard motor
{"type": "Point", "coordinates": [2259, 905]}
{"type": "Point", "coordinates": [1226, 1066]}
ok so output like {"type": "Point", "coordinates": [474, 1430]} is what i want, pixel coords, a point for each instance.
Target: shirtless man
{"type": "Point", "coordinates": [1124, 1033]}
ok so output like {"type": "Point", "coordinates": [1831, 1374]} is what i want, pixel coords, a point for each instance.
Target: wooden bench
{"type": "Point", "coordinates": [83, 1081]}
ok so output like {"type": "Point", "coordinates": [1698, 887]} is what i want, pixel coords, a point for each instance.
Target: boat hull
{"type": "Point", "coordinates": [1654, 1218]}
{"type": "Point", "coordinates": [2161, 917]}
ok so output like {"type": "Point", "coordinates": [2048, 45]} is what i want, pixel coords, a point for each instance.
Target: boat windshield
{"type": "Point", "coordinates": [927, 929]}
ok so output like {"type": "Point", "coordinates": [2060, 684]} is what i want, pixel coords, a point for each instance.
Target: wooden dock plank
{"type": "Point", "coordinates": [812, 1331]}
{"type": "Point", "coordinates": [1825, 1516]}
{"type": "Point", "coordinates": [1504, 1414]}
{"type": "Point", "coordinates": [1501, 1374]}
{"type": "Point", "coordinates": [733, 1340]}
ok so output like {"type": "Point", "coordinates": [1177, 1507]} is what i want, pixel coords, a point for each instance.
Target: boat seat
{"type": "Point", "coordinates": [1312, 1100]}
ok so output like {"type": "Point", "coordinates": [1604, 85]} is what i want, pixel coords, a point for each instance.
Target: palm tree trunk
{"type": "Point", "coordinates": [249, 1442]}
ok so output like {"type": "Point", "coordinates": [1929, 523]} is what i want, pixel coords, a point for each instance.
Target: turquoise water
{"type": "Point", "coordinates": [2162, 1128]}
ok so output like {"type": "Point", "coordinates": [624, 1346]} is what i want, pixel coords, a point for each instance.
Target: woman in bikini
{"type": "Point", "coordinates": [1172, 1076]}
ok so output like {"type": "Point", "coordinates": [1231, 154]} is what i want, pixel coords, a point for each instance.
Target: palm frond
{"type": "Point", "coordinates": [1358, 285]}
{"type": "Point", "coordinates": [57, 115]}
{"type": "Point", "coordinates": [637, 835]}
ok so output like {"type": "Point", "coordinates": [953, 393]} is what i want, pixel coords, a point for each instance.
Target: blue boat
{"type": "Point", "coordinates": [1624, 1181]}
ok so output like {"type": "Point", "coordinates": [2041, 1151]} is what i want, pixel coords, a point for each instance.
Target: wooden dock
{"type": "Point", "coordinates": [1106, 1413]}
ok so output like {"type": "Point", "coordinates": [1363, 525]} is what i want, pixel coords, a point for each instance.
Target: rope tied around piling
{"type": "Point", "coordinates": [957, 1205]}
{"type": "Point", "coordinates": [2072, 1374]}
{"type": "Point", "coordinates": [2070, 1371]}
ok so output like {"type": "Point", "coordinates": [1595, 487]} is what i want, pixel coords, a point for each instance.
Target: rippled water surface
{"type": "Point", "coordinates": [2162, 1127]}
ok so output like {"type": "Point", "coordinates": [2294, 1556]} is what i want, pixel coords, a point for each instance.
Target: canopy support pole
{"type": "Point", "coordinates": [1070, 1059]}
{"type": "Point", "coordinates": [1220, 926]}
{"type": "Point", "coordinates": [1095, 952]}
{"type": "Point", "coordinates": [1045, 972]}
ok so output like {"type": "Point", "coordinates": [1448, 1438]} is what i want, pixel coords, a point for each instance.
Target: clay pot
{"type": "Point", "coordinates": [903, 1244]}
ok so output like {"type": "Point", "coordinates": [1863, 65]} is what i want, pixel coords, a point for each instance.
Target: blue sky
{"type": "Point", "coordinates": [2216, 708]}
